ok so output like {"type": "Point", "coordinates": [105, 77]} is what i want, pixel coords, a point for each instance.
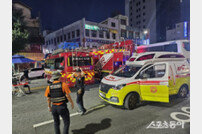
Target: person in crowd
{"type": "Point", "coordinates": [58, 94]}
{"type": "Point", "coordinates": [80, 86]}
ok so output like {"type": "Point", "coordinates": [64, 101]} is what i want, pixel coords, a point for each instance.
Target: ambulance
{"type": "Point", "coordinates": [147, 80]}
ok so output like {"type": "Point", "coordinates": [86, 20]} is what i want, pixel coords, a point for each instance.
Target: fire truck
{"type": "Point", "coordinates": [109, 57]}
{"type": "Point", "coordinates": [66, 62]}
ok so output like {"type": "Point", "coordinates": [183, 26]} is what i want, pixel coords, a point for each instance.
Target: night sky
{"type": "Point", "coordinates": [57, 13]}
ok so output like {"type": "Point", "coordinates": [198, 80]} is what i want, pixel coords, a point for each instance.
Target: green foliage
{"type": "Point", "coordinates": [19, 33]}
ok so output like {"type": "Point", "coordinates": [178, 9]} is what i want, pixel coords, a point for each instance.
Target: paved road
{"type": "Point", "coordinates": [101, 119]}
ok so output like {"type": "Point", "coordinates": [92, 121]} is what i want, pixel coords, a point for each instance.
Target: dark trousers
{"type": "Point", "coordinates": [62, 111]}
{"type": "Point", "coordinates": [79, 101]}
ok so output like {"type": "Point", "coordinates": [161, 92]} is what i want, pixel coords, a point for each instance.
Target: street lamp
{"type": "Point", "coordinates": [145, 32]}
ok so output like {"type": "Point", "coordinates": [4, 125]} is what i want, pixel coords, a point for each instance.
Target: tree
{"type": "Point", "coordinates": [19, 33]}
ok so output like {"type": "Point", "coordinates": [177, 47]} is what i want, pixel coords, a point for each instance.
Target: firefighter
{"type": "Point", "coordinates": [80, 78]}
{"type": "Point", "coordinates": [58, 94]}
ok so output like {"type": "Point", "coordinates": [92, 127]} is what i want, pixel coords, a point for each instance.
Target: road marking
{"type": "Point", "coordinates": [51, 121]}
{"type": "Point", "coordinates": [184, 113]}
{"type": "Point", "coordinates": [96, 107]}
{"type": "Point", "coordinates": [174, 116]}
{"type": "Point", "coordinates": [184, 109]}
{"type": "Point", "coordinates": [71, 115]}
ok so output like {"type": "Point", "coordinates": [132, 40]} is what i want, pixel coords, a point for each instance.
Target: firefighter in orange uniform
{"type": "Point", "coordinates": [58, 94]}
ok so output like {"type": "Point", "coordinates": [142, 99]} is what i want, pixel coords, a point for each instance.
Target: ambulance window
{"type": "Point", "coordinates": [171, 56]}
{"type": "Point", "coordinates": [127, 71]}
{"type": "Point", "coordinates": [138, 76]}
{"type": "Point", "coordinates": [145, 57]}
{"type": "Point", "coordinates": [131, 59]}
{"type": "Point", "coordinates": [160, 70]}
{"type": "Point", "coordinates": [155, 71]}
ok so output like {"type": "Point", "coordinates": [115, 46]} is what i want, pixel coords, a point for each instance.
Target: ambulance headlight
{"type": "Point", "coordinates": [119, 87]}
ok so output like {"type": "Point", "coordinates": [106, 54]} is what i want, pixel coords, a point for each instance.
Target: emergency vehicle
{"type": "Point", "coordinates": [142, 57]}
{"type": "Point", "coordinates": [179, 46]}
{"type": "Point", "coordinates": [67, 61]}
{"type": "Point", "coordinates": [153, 80]}
{"type": "Point", "coordinates": [110, 57]}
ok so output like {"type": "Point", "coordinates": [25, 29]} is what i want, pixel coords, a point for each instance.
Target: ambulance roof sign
{"type": "Point", "coordinates": [91, 27]}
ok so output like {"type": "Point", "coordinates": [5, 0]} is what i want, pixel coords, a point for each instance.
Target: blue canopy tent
{"type": "Point", "coordinates": [17, 59]}
{"type": "Point", "coordinates": [20, 59]}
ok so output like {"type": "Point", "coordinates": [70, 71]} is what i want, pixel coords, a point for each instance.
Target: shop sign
{"type": "Point", "coordinates": [91, 27]}
{"type": "Point", "coordinates": [104, 29]}
{"type": "Point", "coordinates": [113, 31]}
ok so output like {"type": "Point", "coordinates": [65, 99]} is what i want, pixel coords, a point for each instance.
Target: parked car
{"type": "Point", "coordinates": [36, 72]}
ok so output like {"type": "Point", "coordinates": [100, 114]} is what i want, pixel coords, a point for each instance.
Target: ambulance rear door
{"type": "Point", "coordinates": [154, 83]}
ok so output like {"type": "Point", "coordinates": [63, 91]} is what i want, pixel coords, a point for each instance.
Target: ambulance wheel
{"type": "Point", "coordinates": [183, 92]}
{"type": "Point", "coordinates": [131, 101]}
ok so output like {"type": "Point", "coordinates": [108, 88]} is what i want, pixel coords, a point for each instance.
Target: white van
{"type": "Point", "coordinates": [148, 56]}
{"type": "Point", "coordinates": [179, 46]}
{"type": "Point", "coordinates": [152, 81]}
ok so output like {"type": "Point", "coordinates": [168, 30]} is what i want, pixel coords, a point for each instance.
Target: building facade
{"type": "Point", "coordinates": [90, 34]}
{"type": "Point", "coordinates": [142, 15]}
{"type": "Point", "coordinates": [179, 32]}
{"type": "Point", "coordinates": [156, 15]}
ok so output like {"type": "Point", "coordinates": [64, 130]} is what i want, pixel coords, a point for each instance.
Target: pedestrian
{"type": "Point", "coordinates": [58, 94]}
{"type": "Point", "coordinates": [80, 79]}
